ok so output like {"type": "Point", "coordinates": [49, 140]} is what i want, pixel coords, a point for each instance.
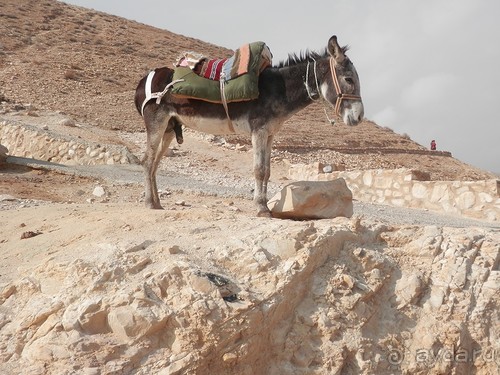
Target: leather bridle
{"type": "Point", "coordinates": [340, 95]}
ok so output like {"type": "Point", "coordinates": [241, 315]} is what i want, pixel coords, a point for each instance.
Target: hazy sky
{"type": "Point", "coordinates": [428, 68]}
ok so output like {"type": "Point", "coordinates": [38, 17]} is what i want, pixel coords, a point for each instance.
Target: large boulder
{"type": "Point", "coordinates": [312, 200]}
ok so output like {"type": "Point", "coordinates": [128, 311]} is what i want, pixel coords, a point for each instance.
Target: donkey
{"type": "Point", "coordinates": [284, 90]}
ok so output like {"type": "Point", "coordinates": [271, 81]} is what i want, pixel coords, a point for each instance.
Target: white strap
{"type": "Point", "coordinates": [155, 95]}
{"type": "Point", "coordinates": [147, 90]}
{"type": "Point", "coordinates": [224, 103]}
{"type": "Point", "coordinates": [159, 95]}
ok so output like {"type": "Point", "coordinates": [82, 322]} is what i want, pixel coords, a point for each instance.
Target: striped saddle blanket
{"type": "Point", "coordinates": [212, 69]}
{"type": "Point", "coordinates": [235, 78]}
{"type": "Point", "coordinates": [227, 68]}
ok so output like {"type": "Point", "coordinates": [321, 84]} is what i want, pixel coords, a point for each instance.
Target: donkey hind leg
{"type": "Point", "coordinates": [158, 140]}
{"type": "Point", "coordinates": [262, 144]}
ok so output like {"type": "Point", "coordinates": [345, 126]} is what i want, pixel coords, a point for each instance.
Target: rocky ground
{"type": "Point", "coordinates": [205, 287]}
{"type": "Point", "coordinates": [91, 282]}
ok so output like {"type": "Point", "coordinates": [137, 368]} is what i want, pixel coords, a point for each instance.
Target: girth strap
{"type": "Point", "coordinates": [224, 103]}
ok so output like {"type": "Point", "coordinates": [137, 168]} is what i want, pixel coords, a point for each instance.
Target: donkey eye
{"type": "Point", "coordinates": [349, 80]}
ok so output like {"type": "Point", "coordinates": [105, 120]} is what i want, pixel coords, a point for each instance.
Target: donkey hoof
{"type": "Point", "coordinates": [264, 214]}
{"type": "Point", "coordinates": [153, 206]}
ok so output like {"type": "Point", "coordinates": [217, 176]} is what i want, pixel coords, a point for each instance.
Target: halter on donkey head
{"type": "Point", "coordinates": [337, 56]}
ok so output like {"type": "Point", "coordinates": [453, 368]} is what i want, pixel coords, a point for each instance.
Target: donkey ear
{"type": "Point", "coordinates": [334, 50]}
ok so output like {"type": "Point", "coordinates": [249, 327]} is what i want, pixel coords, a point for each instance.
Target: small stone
{"type": "Point", "coordinates": [91, 371]}
{"type": "Point", "coordinates": [99, 191]}
{"type": "Point", "coordinates": [164, 193]}
{"type": "Point", "coordinates": [327, 169]}
{"type": "Point", "coordinates": [29, 234]}
{"type": "Point", "coordinates": [68, 122]}
{"type": "Point", "coordinates": [229, 357]}
{"type": "Point", "coordinates": [7, 198]}
{"type": "Point", "coordinates": [174, 249]}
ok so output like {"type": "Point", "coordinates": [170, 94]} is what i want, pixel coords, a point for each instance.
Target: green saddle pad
{"type": "Point", "coordinates": [242, 88]}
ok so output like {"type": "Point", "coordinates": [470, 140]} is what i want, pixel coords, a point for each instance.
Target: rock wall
{"type": "Point", "coordinates": [406, 188]}
{"type": "Point", "coordinates": [329, 297]}
{"type": "Point", "coordinates": [32, 142]}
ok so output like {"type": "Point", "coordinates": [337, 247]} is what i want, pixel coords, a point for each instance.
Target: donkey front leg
{"type": "Point", "coordinates": [262, 144]}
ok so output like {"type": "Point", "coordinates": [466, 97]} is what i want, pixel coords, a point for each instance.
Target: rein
{"type": "Point", "coordinates": [340, 95]}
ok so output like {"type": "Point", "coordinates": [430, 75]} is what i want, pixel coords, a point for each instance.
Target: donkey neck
{"type": "Point", "coordinates": [301, 85]}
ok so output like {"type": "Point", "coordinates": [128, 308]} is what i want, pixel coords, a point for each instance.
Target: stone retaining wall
{"type": "Point", "coordinates": [407, 188]}
{"type": "Point", "coordinates": [31, 142]}
{"type": "Point", "coordinates": [370, 150]}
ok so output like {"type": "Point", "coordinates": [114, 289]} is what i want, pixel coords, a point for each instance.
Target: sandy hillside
{"type": "Point", "coordinates": [93, 283]}
{"type": "Point", "coordinates": [87, 64]}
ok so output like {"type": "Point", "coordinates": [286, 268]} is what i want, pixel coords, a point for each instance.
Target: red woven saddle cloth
{"type": "Point", "coordinates": [211, 69]}
{"type": "Point", "coordinates": [231, 67]}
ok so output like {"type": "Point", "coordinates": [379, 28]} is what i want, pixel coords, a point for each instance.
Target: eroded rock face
{"type": "Point", "coordinates": [276, 297]}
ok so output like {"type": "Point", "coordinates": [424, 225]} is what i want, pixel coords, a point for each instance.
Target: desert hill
{"type": "Point", "coordinates": [87, 63]}
{"type": "Point", "coordinates": [93, 283]}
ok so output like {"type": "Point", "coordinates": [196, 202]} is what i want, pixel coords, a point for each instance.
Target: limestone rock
{"type": "Point", "coordinates": [408, 289]}
{"type": "Point", "coordinates": [306, 172]}
{"type": "Point", "coordinates": [45, 144]}
{"type": "Point", "coordinates": [313, 200]}
{"type": "Point", "coordinates": [99, 191]}
{"type": "Point", "coordinates": [260, 297]}
{"type": "Point", "coordinates": [404, 187]}
{"type": "Point", "coordinates": [67, 121]}
{"type": "Point", "coordinates": [134, 322]}
{"type": "Point", "coordinates": [327, 169]}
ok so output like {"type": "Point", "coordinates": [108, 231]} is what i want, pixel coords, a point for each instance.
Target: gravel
{"type": "Point", "coordinates": [217, 183]}
{"type": "Point", "coordinates": [412, 216]}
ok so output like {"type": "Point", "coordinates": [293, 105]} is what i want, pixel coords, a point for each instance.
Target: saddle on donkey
{"type": "Point", "coordinates": [221, 80]}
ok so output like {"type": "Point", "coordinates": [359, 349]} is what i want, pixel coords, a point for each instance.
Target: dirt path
{"type": "Point", "coordinates": [179, 181]}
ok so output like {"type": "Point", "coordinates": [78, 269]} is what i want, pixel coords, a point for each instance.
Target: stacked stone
{"type": "Point", "coordinates": [31, 142]}
{"type": "Point", "coordinates": [406, 188]}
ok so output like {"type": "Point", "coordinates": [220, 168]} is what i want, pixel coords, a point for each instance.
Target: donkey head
{"type": "Point", "coordinates": [343, 89]}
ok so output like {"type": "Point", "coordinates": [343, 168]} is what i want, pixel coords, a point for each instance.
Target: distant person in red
{"type": "Point", "coordinates": [433, 145]}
